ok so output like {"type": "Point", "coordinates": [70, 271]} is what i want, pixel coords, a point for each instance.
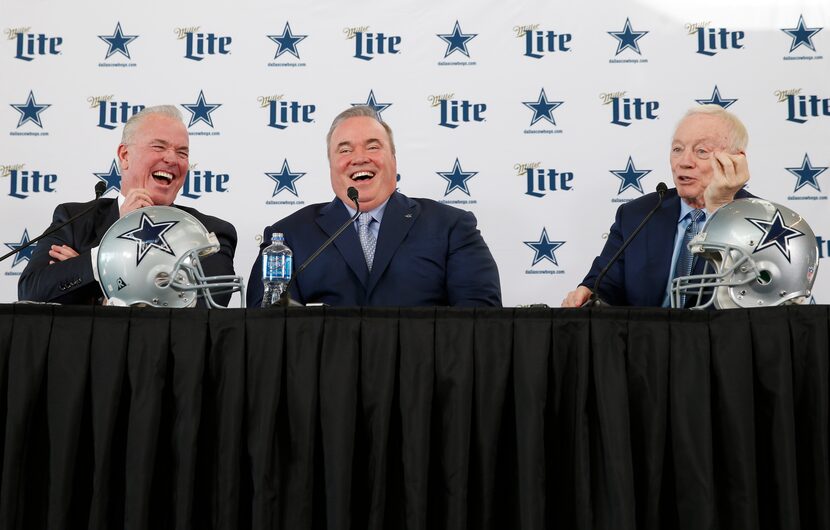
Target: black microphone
{"type": "Point", "coordinates": [595, 299]}
{"type": "Point", "coordinates": [100, 188]}
{"type": "Point", "coordinates": [285, 298]}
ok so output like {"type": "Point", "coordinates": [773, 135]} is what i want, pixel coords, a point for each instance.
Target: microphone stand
{"type": "Point", "coordinates": [595, 300]}
{"type": "Point", "coordinates": [99, 190]}
{"type": "Point", "coordinates": [285, 297]}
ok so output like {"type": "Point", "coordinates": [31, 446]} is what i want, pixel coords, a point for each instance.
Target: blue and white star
{"type": "Point", "coordinates": [544, 248]}
{"type": "Point", "coordinates": [806, 174]}
{"type": "Point", "coordinates": [111, 178]}
{"type": "Point", "coordinates": [457, 178]}
{"type": "Point", "coordinates": [371, 101]}
{"type": "Point", "coordinates": [285, 179]}
{"type": "Point", "coordinates": [30, 111]}
{"type": "Point", "coordinates": [776, 233]}
{"type": "Point", "coordinates": [716, 99]}
{"type": "Point", "coordinates": [118, 42]}
{"type": "Point", "coordinates": [630, 177]}
{"type": "Point", "coordinates": [149, 235]}
{"type": "Point", "coordinates": [26, 253]}
{"type": "Point", "coordinates": [201, 110]}
{"type": "Point", "coordinates": [457, 41]}
{"type": "Point", "coordinates": [287, 42]}
{"type": "Point", "coordinates": [627, 38]}
{"type": "Point", "coordinates": [801, 34]}
{"type": "Point", "coordinates": [542, 108]}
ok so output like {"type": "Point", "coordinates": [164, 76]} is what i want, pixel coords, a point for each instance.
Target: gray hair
{"type": "Point", "coordinates": [136, 119]}
{"type": "Point", "coordinates": [359, 111]}
{"type": "Point", "coordinates": [738, 136]}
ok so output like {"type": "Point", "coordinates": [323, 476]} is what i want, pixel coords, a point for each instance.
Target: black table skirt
{"type": "Point", "coordinates": [414, 418]}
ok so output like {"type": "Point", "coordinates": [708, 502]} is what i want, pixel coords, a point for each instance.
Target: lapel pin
{"type": "Point", "coordinates": [408, 216]}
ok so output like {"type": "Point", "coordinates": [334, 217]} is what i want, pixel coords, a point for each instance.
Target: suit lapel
{"type": "Point", "coordinates": [105, 216]}
{"type": "Point", "coordinates": [331, 217]}
{"type": "Point", "coordinates": [661, 246]}
{"type": "Point", "coordinates": [398, 218]}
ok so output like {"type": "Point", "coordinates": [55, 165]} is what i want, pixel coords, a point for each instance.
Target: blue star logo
{"type": "Point", "coordinates": [457, 178]}
{"type": "Point", "coordinates": [806, 174]}
{"type": "Point", "coordinates": [776, 233]}
{"type": "Point", "coordinates": [118, 42]}
{"type": "Point", "coordinates": [287, 42]}
{"type": "Point", "coordinates": [544, 248]}
{"type": "Point", "coordinates": [285, 179]}
{"type": "Point", "coordinates": [801, 34]}
{"type": "Point", "coordinates": [149, 235]}
{"type": "Point", "coordinates": [30, 111]}
{"type": "Point", "coordinates": [630, 177]}
{"type": "Point", "coordinates": [716, 99]}
{"type": "Point", "coordinates": [457, 41]}
{"type": "Point", "coordinates": [627, 38]}
{"type": "Point", "coordinates": [542, 108]}
{"type": "Point", "coordinates": [26, 253]}
{"type": "Point", "coordinates": [201, 110]}
{"type": "Point", "coordinates": [111, 178]}
{"type": "Point", "coordinates": [371, 101]}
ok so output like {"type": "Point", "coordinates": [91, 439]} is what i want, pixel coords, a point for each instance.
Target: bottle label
{"type": "Point", "coordinates": [276, 267]}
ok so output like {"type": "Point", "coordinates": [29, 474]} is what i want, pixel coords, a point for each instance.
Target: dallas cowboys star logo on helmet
{"type": "Point", "coordinates": [776, 233]}
{"type": "Point", "coordinates": [149, 235]}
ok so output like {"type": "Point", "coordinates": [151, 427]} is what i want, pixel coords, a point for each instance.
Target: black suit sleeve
{"type": "Point", "coordinates": [472, 273]}
{"type": "Point", "coordinates": [220, 263]}
{"type": "Point", "coordinates": [67, 282]}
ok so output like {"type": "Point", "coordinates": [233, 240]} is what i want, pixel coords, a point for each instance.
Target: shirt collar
{"type": "Point", "coordinates": [685, 209]}
{"type": "Point", "coordinates": [377, 213]}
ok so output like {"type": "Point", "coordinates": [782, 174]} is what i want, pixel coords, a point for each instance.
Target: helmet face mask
{"type": "Point", "coordinates": [151, 257]}
{"type": "Point", "coordinates": [757, 254]}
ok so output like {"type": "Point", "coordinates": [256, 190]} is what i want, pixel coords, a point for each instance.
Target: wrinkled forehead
{"type": "Point", "coordinates": [702, 129]}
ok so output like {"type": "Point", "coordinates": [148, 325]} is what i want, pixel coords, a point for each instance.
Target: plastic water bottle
{"type": "Point", "coordinates": [276, 270]}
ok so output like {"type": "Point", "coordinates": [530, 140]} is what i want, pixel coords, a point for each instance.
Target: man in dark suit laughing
{"type": "Point", "coordinates": [401, 252]}
{"type": "Point", "coordinates": [154, 160]}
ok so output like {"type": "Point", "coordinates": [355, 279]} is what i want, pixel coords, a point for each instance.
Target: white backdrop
{"type": "Point", "coordinates": [767, 60]}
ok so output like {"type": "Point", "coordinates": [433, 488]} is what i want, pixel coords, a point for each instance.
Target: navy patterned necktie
{"type": "Point", "coordinates": [685, 257]}
{"type": "Point", "coordinates": [367, 238]}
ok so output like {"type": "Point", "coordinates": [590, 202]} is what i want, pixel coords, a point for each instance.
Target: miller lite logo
{"type": "Point", "coordinates": [112, 114]}
{"type": "Point", "coordinates": [801, 107]}
{"type": "Point", "coordinates": [29, 45]}
{"type": "Point", "coordinates": [199, 181]}
{"type": "Point", "coordinates": [454, 112]}
{"type": "Point", "coordinates": [23, 183]}
{"type": "Point", "coordinates": [541, 180]}
{"type": "Point", "coordinates": [626, 110]}
{"type": "Point", "coordinates": [538, 42]}
{"type": "Point", "coordinates": [198, 45]}
{"type": "Point", "coordinates": [282, 113]}
{"type": "Point", "coordinates": [368, 44]}
{"type": "Point", "coordinates": [712, 40]}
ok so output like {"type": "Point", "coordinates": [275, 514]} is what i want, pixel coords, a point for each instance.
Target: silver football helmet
{"type": "Point", "coordinates": [151, 257]}
{"type": "Point", "coordinates": [757, 254]}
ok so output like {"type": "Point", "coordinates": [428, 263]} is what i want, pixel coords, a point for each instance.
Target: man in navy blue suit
{"type": "Point", "coordinates": [709, 169]}
{"type": "Point", "coordinates": [408, 252]}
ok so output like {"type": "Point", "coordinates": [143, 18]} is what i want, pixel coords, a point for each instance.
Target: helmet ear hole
{"type": "Point", "coordinates": [764, 277]}
{"type": "Point", "coordinates": [162, 280]}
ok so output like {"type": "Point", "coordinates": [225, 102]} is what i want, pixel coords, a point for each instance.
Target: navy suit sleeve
{"type": "Point", "coordinates": [67, 282]}
{"type": "Point", "coordinates": [472, 273]}
{"type": "Point", "coordinates": [612, 287]}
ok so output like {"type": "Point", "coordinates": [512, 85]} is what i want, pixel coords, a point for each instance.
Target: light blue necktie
{"type": "Point", "coordinates": [367, 238]}
{"type": "Point", "coordinates": [685, 258]}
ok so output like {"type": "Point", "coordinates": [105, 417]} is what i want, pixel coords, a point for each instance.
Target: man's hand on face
{"type": "Point", "coordinates": [61, 253]}
{"type": "Point", "coordinates": [136, 198]}
{"type": "Point", "coordinates": [729, 174]}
